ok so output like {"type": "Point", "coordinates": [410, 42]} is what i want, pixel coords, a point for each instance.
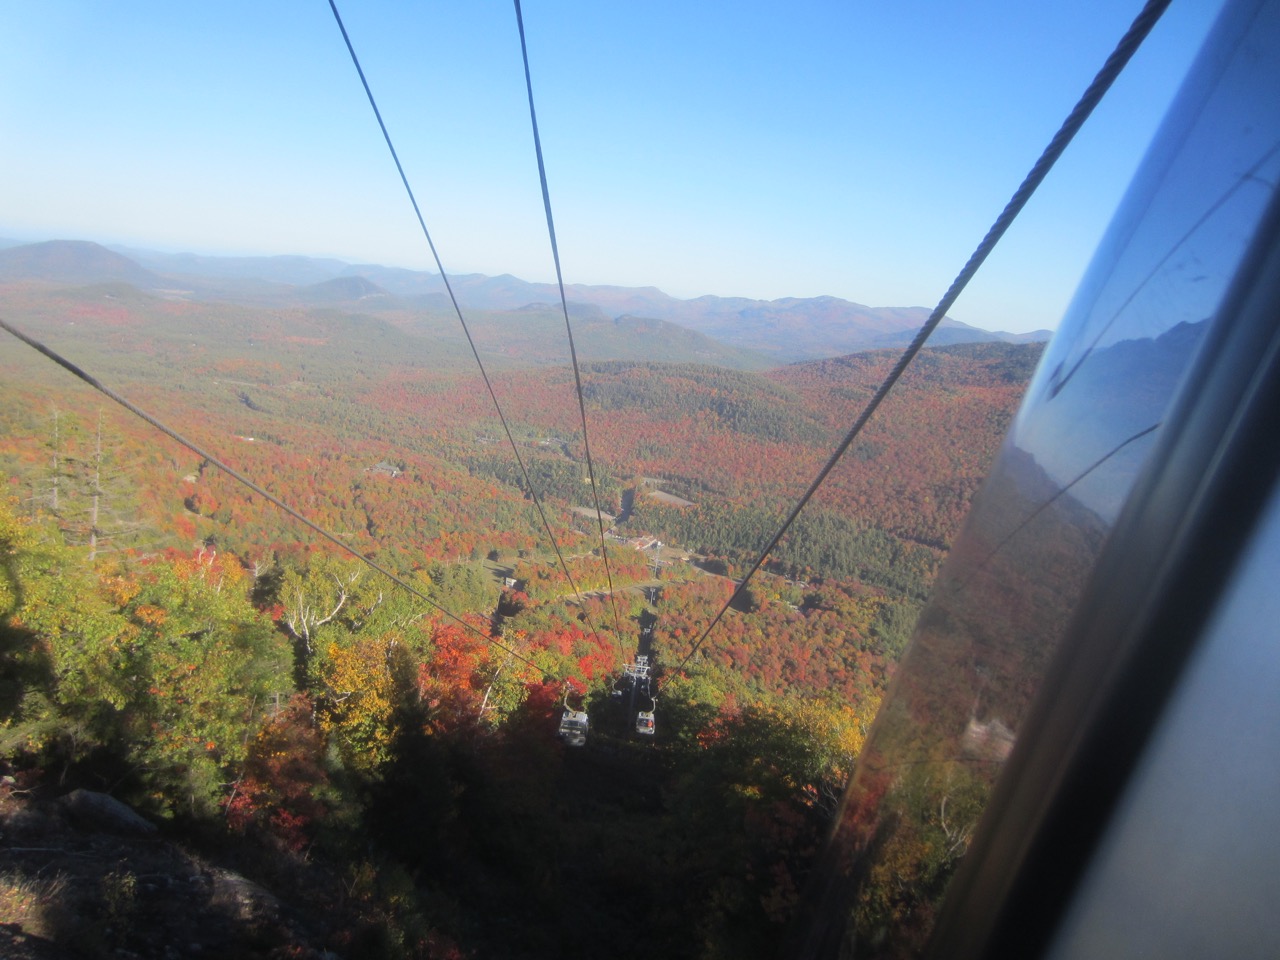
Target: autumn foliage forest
{"type": "Point", "coordinates": [169, 638]}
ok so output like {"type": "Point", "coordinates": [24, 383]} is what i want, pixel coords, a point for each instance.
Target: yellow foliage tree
{"type": "Point", "coordinates": [357, 694]}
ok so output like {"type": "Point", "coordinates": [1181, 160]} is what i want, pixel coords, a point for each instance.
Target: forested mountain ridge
{"type": "Point", "coordinates": [283, 712]}
{"type": "Point", "coordinates": [287, 388]}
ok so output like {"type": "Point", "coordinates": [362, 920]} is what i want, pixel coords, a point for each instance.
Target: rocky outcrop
{"type": "Point", "coordinates": [100, 811]}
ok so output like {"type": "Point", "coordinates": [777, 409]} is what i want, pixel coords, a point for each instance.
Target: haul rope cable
{"type": "Point", "coordinates": [241, 478]}
{"type": "Point", "coordinates": [1102, 82]}
{"type": "Point", "coordinates": [564, 305]}
{"type": "Point", "coordinates": [458, 310]}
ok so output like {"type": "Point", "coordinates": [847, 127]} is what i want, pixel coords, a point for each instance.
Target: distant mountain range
{"type": "Point", "coordinates": [757, 332]}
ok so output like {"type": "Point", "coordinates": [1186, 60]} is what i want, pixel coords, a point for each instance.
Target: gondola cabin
{"type": "Point", "coordinates": [573, 728]}
{"type": "Point", "coordinates": [644, 723]}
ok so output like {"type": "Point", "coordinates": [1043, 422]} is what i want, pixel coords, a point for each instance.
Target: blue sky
{"type": "Point", "coordinates": [851, 149]}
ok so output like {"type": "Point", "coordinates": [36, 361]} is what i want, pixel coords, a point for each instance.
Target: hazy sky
{"type": "Point", "coordinates": [857, 149]}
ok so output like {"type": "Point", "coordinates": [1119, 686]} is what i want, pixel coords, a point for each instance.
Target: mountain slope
{"type": "Point", "coordinates": [343, 290]}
